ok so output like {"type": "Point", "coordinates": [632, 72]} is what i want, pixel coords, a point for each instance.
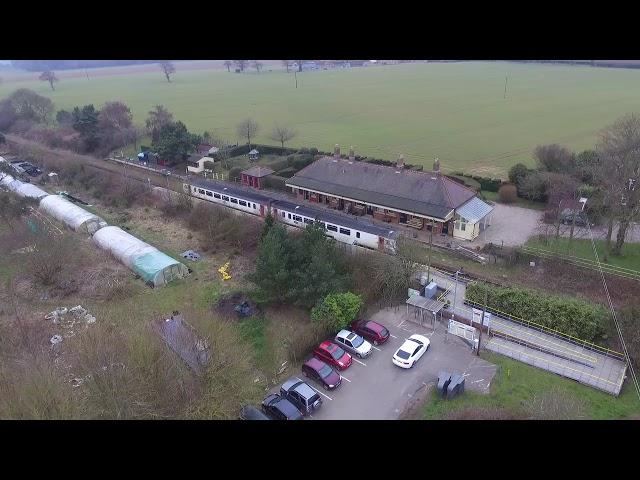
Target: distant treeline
{"type": "Point", "coordinates": [42, 65]}
{"type": "Point", "coordinates": [593, 63]}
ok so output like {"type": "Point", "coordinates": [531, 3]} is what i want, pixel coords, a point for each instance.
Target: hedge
{"type": "Point", "coordinates": [566, 315]}
{"type": "Point", "coordinates": [275, 182]}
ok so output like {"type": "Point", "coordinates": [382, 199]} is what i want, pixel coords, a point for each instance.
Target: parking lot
{"type": "Point", "coordinates": [376, 389]}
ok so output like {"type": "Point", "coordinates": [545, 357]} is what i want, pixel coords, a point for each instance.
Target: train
{"type": "Point", "coordinates": [339, 227]}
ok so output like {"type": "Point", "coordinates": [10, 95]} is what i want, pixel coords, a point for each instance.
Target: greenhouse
{"type": "Point", "coordinates": [72, 215]}
{"type": "Point", "coordinates": [24, 189]}
{"type": "Point", "coordinates": [155, 267]}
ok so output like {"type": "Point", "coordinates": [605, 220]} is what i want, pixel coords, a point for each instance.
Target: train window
{"type": "Point", "coordinates": [254, 207]}
{"type": "Point", "coordinates": [225, 198]}
{"type": "Point", "coordinates": [357, 234]}
{"type": "Point", "coordinates": [234, 200]}
{"type": "Point", "coordinates": [209, 194]}
{"type": "Point", "coordinates": [289, 216]}
{"type": "Point", "coordinates": [297, 218]}
{"type": "Point", "coordinates": [244, 204]}
{"type": "Point", "coordinates": [201, 191]}
{"type": "Point", "coordinates": [308, 220]}
{"type": "Point", "coordinates": [333, 228]}
{"type": "Point", "coordinates": [216, 195]}
{"type": "Point", "coordinates": [282, 214]}
{"type": "Point", "coordinates": [345, 231]}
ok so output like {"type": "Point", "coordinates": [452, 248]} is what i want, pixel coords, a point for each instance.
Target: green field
{"type": "Point", "coordinates": [454, 111]}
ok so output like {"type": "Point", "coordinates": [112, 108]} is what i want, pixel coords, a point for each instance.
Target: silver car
{"type": "Point", "coordinates": [353, 343]}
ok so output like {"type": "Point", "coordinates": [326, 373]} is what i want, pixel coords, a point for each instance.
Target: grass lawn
{"type": "Point", "coordinates": [630, 257]}
{"type": "Point", "coordinates": [516, 383]}
{"type": "Point", "coordinates": [453, 111]}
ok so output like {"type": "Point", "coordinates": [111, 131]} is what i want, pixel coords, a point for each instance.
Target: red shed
{"type": "Point", "coordinates": [254, 175]}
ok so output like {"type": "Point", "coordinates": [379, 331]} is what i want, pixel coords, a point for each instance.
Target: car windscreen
{"type": "Point", "coordinates": [356, 342]}
{"type": "Point", "coordinates": [325, 371]}
{"type": "Point", "coordinates": [384, 332]}
{"type": "Point", "coordinates": [402, 354]}
{"type": "Point", "coordinates": [338, 353]}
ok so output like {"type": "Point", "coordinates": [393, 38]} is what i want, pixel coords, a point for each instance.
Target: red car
{"type": "Point", "coordinates": [322, 373]}
{"type": "Point", "coordinates": [333, 355]}
{"type": "Point", "coordinates": [372, 331]}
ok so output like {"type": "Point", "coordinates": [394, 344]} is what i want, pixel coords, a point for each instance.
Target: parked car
{"type": "Point", "coordinates": [249, 412]}
{"type": "Point", "coordinates": [372, 331]}
{"type": "Point", "coordinates": [567, 219]}
{"type": "Point", "coordinates": [279, 408]}
{"type": "Point", "coordinates": [305, 398]}
{"type": "Point", "coordinates": [321, 373]}
{"type": "Point", "coordinates": [354, 343]}
{"type": "Point", "coordinates": [411, 351]}
{"type": "Point", "coordinates": [333, 355]}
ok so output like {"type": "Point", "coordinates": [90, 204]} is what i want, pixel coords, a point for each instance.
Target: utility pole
{"type": "Point", "coordinates": [505, 86]}
{"type": "Point", "coordinates": [429, 262]}
{"type": "Point", "coordinates": [484, 311]}
{"type": "Point", "coordinates": [295, 74]}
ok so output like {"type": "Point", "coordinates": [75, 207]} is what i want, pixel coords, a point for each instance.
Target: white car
{"type": "Point", "coordinates": [352, 342]}
{"type": "Point", "coordinates": [410, 351]}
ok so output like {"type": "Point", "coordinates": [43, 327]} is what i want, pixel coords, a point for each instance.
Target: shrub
{"type": "Point", "coordinates": [570, 316]}
{"type": "Point", "coordinates": [517, 173]}
{"type": "Point", "coordinates": [299, 161]}
{"type": "Point", "coordinates": [235, 173]}
{"type": "Point", "coordinates": [275, 182]}
{"type": "Point", "coordinates": [508, 193]}
{"type": "Point", "coordinates": [337, 310]}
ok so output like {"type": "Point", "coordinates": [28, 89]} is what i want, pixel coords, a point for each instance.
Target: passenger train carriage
{"type": "Point", "coordinates": [340, 227]}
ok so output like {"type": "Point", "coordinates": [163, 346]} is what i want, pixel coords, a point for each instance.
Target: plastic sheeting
{"type": "Point", "coordinates": [22, 189]}
{"type": "Point", "coordinates": [71, 214]}
{"type": "Point", "coordinates": [155, 267]}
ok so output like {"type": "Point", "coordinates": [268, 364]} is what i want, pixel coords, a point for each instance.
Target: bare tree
{"type": "Point", "coordinates": [158, 117]}
{"type": "Point", "coordinates": [228, 63]}
{"type": "Point", "coordinates": [168, 68]}
{"type": "Point", "coordinates": [286, 64]}
{"type": "Point", "coordinates": [282, 134]}
{"type": "Point", "coordinates": [555, 158]}
{"type": "Point", "coordinates": [247, 128]}
{"type": "Point", "coordinates": [50, 77]}
{"type": "Point", "coordinates": [241, 64]}
{"type": "Point", "coordinates": [257, 65]}
{"type": "Point", "coordinates": [620, 176]}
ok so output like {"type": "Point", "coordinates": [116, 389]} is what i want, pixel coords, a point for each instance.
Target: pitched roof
{"type": "Point", "coordinates": [425, 193]}
{"type": "Point", "coordinates": [474, 210]}
{"type": "Point", "coordinates": [258, 171]}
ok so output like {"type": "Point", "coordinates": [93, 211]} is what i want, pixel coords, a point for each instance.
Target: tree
{"type": "Point", "coordinates": [257, 65]}
{"type": "Point", "coordinates": [157, 118]}
{"type": "Point", "coordinates": [337, 310]}
{"type": "Point", "coordinates": [517, 174]}
{"type": "Point", "coordinates": [50, 77]}
{"type": "Point", "coordinates": [286, 64]}
{"type": "Point", "coordinates": [247, 128]}
{"type": "Point", "coordinates": [619, 148]}
{"type": "Point", "coordinates": [268, 224]}
{"type": "Point", "coordinates": [175, 142]}
{"type": "Point", "coordinates": [272, 274]}
{"type": "Point", "coordinates": [534, 187]}
{"type": "Point", "coordinates": [228, 63]}
{"type": "Point", "coordinates": [115, 126]}
{"type": "Point", "coordinates": [508, 193]}
{"type": "Point", "coordinates": [28, 105]}
{"type": "Point", "coordinates": [241, 64]}
{"type": "Point", "coordinates": [168, 69]}
{"type": "Point", "coordinates": [282, 134]}
{"type": "Point", "coordinates": [13, 207]}
{"type": "Point", "coordinates": [555, 158]}
{"type": "Point", "coordinates": [85, 121]}
{"type": "Point", "coordinates": [64, 117]}
{"type": "Point", "coordinates": [586, 163]}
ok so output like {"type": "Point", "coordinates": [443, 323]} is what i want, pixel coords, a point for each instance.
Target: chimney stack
{"type": "Point", "coordinates": [336, 151]}
{"type": "Point", "coordinates": [436, 166]}
{"type": "Point", "coordinates": [400, 161]}
{"type": "Point", "coordinates": [352, 156]}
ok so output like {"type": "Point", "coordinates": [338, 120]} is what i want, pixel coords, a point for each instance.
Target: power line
{"type": "Point", "coordinates": [613, 313]}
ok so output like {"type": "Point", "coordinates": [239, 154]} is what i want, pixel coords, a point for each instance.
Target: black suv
{"type": "Point", "coordinates": [279, 408]}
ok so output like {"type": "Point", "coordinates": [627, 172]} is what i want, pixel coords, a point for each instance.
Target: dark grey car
{"type": "Point", "coordinates": [305, 398]}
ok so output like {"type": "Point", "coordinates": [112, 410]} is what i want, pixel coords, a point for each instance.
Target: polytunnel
{"type": "Point", "coordinates": [155, 268]}
{"type": "Point", "coordinates": [25, 189]}
{"type": "Point", "coordinates": [71, 214]}
{"type": "Point", "coordinates": [5, 179]}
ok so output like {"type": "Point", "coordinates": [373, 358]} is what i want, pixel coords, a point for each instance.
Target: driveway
{"type": "Point", "coordinates": [375, 389]}
{"type": "Point", "coordinates": [510, 224]}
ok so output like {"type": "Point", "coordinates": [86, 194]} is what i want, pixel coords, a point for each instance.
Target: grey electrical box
{"type": "Point", "coordinates": [443, 382]}
{"type": "Point", "coordinates": [456, 386]}
{"type": "Point", "coordinates": [431, 290]}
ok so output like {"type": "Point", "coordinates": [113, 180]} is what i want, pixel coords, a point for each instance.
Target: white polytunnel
{"type": "Point", "coordinates": [72, 215]}
{"type": "Point", "coordinates": [25, 189]}
{"type": "Point", "coordinates": [5, 179]}
{"type": "Point", "coordinates": [155, 268]}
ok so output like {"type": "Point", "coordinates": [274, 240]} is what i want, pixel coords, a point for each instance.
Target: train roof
{"type": "Point", "coordinates": [341, 220]}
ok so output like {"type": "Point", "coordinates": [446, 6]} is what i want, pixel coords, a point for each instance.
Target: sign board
{"type": "Point", "coordinates": [477, 314]}
{"type": "Point", "coordinates": [412, 292]}
{"type": "Point", "coordinates": [461, 330]}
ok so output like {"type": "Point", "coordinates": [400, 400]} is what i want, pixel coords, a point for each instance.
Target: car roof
{"type": "Point", "coordinates": [288, 408]}
{"type": "Point", "coordinates": [252, 413]}
{"type": "Point", "coordinates": [328, 346]}
{"type": "Point", "coordinates": [288, 385]}
{"type": "Point", "coordinates": [420, 338]}
{"type": "Point", "coordinates": [376, 327]}
{"type": "Point", "coordinates": [315, 363]}
{"type": "Point", "coordinates": [410, 346]}
{"type": "Point", "coordinates": [345, 334]}
{"type": "Point", "coordinates": [305, 390]}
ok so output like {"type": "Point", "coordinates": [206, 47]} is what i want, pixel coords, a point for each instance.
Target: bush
{"type": "Point", "coordinates": [488, 184]}
{"type": "Point", "coordinates": [299, 161]}
{"type": "Point", "coordinates": [570, 316]}
{"type": "Point", "coordinates": [337, 310]}
{"type": "Point", "coordinates": [508, 193]}
{"type": "Point", "coordinates": [287, 172]}
{"type": "Point", "coordinates": [235, 173]}
{"type": "Point", "coordinates": [277, 165]}
{"type": "Point", "coordinates": [517, 174]}
{"type": "Point", "coordinates": [275, 182]}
